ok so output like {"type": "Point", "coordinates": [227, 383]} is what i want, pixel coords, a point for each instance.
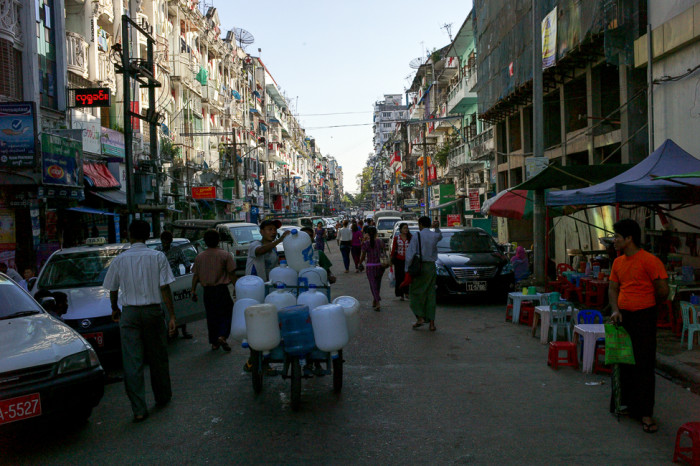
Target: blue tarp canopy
{"type": "Point", "coordinates": [636, 185]}
{"type": "Point", "coordinates": [89, 210]}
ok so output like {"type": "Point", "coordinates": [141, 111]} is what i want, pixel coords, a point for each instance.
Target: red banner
{"type": "Point", "coordinates": [454, 220]}
{"type": "Point", "coordinates": [474, 203]}
{"type": "Point", "coordinates": [204, 192]}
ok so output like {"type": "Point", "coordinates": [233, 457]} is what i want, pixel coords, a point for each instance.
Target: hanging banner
{"type": "Point", "coordinates": [91, 131]}
{"type": "Point", "coordinates": [204, 192]}
{"type": "Point", "coordinates": [61, 160]}
{"type": "Point", "coordinates": [17, 134]}
{"type": "Point", "coordinates": [454, 220]}
{"type": "Point", "coordinates": [474, 203]}
{"type": "Point", "coordinates": [112, 143]}
{"type": "Point", "coordinates": [549, 39]}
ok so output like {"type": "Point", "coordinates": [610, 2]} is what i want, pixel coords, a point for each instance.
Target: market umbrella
{"type": "Point", "coordinates": [510, 203]}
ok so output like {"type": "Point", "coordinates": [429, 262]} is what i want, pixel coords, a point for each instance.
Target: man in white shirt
{"type": "Point", "coordinates": [12, 273]}
{"type": "Point", "coordinates": [262, 254]}
{"type": "Point", "coordinates": [144, 276]}
{"type": "Point", "coordinates": [345, 243]}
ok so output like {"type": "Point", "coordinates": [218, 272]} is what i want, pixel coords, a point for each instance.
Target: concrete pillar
{"type": "Point", "coordinates": [562, 125]}
{"type": "Point", "coordinates": [593, 110]}
{"type": "Point", "coordinates": [526, 129]}
{"type": "Point", "coordinates": [633, 115]}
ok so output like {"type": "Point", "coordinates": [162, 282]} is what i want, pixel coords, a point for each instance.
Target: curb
{"type": "Point", "coordinates": [679, 372]}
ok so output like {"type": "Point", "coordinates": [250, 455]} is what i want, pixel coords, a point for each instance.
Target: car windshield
{"type": "Point", "coordinates": [466, 241]}
{"type": "Point", "coordinates": [14, 302]}
{"type": "Point", "coordinates": [245, 235]}
{"type": "Point", "coordinates": [386, 223]}
{"type": "Point", "coordinates": [78, 269]}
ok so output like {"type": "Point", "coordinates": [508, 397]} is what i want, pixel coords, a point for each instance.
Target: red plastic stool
{"type": "Point", "coordinates": [554, 357]}
{"type": "Point", "coordinates": [509, 313]}
{"type": "Point", "coordinates": [527, 313]}
{"type": "Point", "coordinates": [692, 429]}
{"type": "Point", "coordinates": [598, 365]}
{"type": "Point", "coordinates": [664, 318]}
{"type": "Point", "coordinates": [595, 295]}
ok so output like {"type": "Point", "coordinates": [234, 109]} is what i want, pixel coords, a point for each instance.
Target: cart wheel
{"type": "Point", "coordinates": [338, 372]}
{"type": "Point", "coordinates": [257, 371]}
{"type": "Point", "coordinates": [296, 384]}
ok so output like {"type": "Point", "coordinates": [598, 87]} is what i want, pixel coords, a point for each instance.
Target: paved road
{"type": "Point", "coordinates": [476, 391]}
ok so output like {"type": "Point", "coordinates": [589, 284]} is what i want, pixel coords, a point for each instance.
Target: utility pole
{"type": "Point", "coordinates": [128, 140]}
{"type": "Point", "coordinates": [538, 226]}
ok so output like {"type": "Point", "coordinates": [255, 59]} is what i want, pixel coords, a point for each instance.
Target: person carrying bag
{"type": "Point", "coordinates": [420, 265]}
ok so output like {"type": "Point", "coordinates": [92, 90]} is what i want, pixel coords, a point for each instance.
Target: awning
{"type": "Point", "coordinates": [225, 201]}
{"type": "Point", "coordinates": [97, 175]}
{"type": "Point", "coordinates": [111, 195]}
{"type": "Point", "coordinates": [9, 177]}
{"type": "Point", "coordinates": [449, 203]}
{"type": "Point", "coordinates": [89, 210]}
{"type": "Point", "coordinates": [555, 176]}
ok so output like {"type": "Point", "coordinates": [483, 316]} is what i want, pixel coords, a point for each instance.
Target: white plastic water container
{"type": "Point", "coordinates": [313, 275]}
{"type": "Point", "coordinates": [262, 327]}
{"type": "Point", "coordinates": [298, 250]}
{"type": "Point", "coordinates": [281, 298]}
{"type": "Point", "coordinates": [351, 307]}
{"type": "Point", "coordinates": [238, 331]}
{"type": "Point", "coordinates": [330, 328]}
{"type": "Point", "coordinates": [312, 298]}
{"type": "Point", "coordinates": [250, 286]}
{"type": "Point", "coordinates": [283, 274]}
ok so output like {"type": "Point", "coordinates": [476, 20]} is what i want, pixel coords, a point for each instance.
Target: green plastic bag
{"type": "Point", "coordinates": [618, 345]}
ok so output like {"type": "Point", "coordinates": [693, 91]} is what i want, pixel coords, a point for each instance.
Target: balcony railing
{"type": "Point", "coordinates": [77, 51]}
{"type": "Point", "coordinates": [105, 8]}
{"type": "Point", "coordinates": [482, 145]}
{"type": "Point", "coordinates": [105, 71]}
{"type": "Point", "coordinates": [459, 96]}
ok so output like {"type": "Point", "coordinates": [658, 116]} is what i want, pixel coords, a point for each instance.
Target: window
{"type": "Point", "coordinates": [386, 114]}
{"type": "Point", "coordinates": [46, 51]}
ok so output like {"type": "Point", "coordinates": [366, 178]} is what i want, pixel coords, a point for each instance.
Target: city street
{"type": "Point", "coordinates": [478, 390]}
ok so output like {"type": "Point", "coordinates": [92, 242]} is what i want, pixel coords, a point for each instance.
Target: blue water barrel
{"type": "Point", "coordinates": [295, 328]}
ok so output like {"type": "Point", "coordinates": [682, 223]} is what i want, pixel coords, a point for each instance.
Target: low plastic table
{"type": "Point", "coordinates": [518, 297]}
{"type": "Point", "coordinates": [543, 316]}
{"type": "Point", "coordinates": [590, 333]}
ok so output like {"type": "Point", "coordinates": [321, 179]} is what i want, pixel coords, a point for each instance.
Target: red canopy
{"type": "Point", "coordinates": [98, 176]}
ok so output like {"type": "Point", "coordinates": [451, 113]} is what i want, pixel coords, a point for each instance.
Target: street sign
{"type": "Point", "coordinates": [204, 192]}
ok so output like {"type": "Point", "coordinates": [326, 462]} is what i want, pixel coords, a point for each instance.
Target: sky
{"type": "Point", "coordinates": [340, 57]}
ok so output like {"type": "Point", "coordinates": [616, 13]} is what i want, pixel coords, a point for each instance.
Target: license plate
{"type": "Point", "coordinates": [476, 286]}
{"type": "Point", "coordinates": [22, 407]}
{"type": "Point", "coordinates": [97, 338]}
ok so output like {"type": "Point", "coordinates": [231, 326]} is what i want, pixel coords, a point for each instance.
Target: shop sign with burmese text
{"type": "Point", "coordinates": [92, 97]}
{"type": "Point", "coordinates": [17, 134]}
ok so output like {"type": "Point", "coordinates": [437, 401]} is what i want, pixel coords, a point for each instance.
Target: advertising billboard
{"type": "Point", "coordinates": [17, 135]}
{"type": "Point", "coordinates": [61, 160]}
{"type": "Point", "coordinates": [204, 192]}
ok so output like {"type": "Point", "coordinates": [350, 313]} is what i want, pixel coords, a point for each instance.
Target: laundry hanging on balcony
{"type": "Point", "coordinates": [202, 76]}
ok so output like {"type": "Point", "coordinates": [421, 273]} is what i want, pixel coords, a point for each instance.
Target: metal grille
{"type": "Point", "coordinates": [474, 273]}
{"type": "Point", "coordinates": [24, 376]}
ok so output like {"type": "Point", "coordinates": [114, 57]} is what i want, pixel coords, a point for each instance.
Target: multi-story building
{"type": "Point", "coordinates": [594, 99]}
{"type": "Point", "coordinates": [387, 113]}
{"type": "Point", "coordinates": [221, 123]}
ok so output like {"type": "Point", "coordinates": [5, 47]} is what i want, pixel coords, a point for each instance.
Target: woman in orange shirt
{"type": "Point", "coordinates": [638, 281]}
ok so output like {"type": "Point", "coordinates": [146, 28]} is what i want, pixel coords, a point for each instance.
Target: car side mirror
{"type": "Point", "coordinates": [48, 303]}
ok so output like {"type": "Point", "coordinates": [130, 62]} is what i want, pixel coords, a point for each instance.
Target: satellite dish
{"type": "Point", "coordinates": [243, 37]}
{"type": "Point", "coordinates": [416, 63]}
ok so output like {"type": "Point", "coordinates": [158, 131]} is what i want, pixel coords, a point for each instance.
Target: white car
{"type": "Point", "coordinates": [412, 227]}
{"type": "Point", "coordinates": [46, 367]}
{"type": "Point", "coordinates": [385, 227]}
{"type": "Point", "coordinates": [76, 274]}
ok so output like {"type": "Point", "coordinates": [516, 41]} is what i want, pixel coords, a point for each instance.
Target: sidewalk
{"type": "Point", "coordinates": [676, 362]}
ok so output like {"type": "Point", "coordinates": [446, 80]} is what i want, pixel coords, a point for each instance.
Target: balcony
{"type": "Point", "coordinates": [459, 157]}
{"type": "Point", "coordinates": [210, 93]}
{"type": "Point", "coordinates": [483, 145]}
{"type": "Point", "coordinates": [183, 66]}
{"type": "Point", "coordinates": [105, 9]}
{"type": "Point", "coordinates": [459, 99]}
{"type": "Point", "coordinates": [105, 72]}
{"type": "Point", "coordinates": [76, 51]}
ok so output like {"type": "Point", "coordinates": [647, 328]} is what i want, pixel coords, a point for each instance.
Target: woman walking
{"type": "Point", "coordinates": [356, 245]}
{"type": "Point", "coordinates": [345, 243]}
{"type": "Point", "coordinates": [372, 250]}
{"type": "Point", "coordinates": [320, 238]}
{"type": "Point", "coordinates": [398, 258]}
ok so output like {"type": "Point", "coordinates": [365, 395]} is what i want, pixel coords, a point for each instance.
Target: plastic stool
{"type": "Point", "coordinates": [509, 313]}
{"type": "Point", "coordinates": [598, 365]}
{"type": "Point", "coordinates": [692, 429]}
{"type": "Point", "coordinates": [554, 358]}
{"type": "Point", "coordinates": [664, 318]}
{"type": "Point", "coordinates": [527, 313]}
{"type": "Point", "coordinates": [595, 295]}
